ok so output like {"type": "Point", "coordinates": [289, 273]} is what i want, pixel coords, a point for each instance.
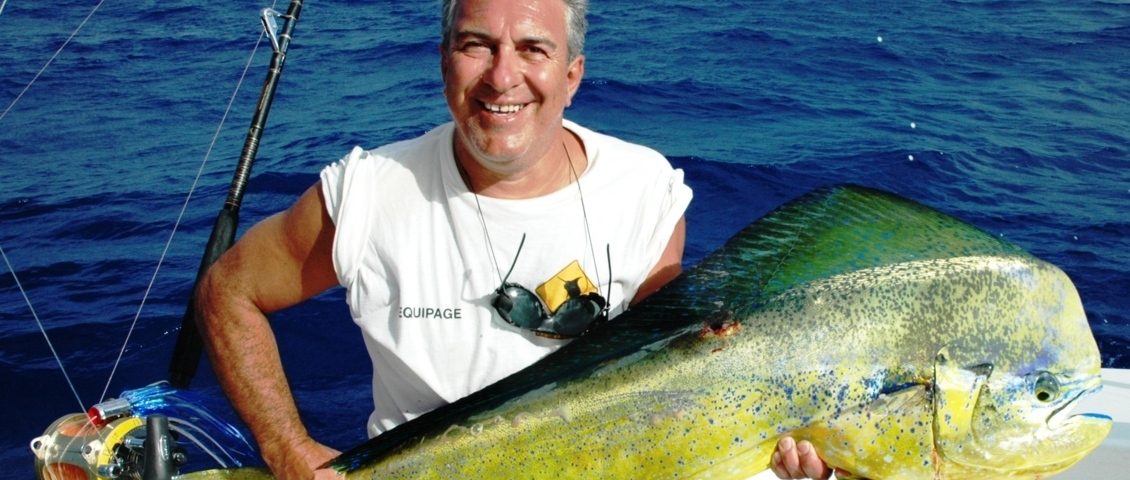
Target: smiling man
{"type": "Point", "coordinates": [467, 253]}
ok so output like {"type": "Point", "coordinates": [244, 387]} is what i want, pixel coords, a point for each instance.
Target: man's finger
{"type": "Point", "coordinates": [811, 465]}
{"type": "Point", "coordinates": [785, 463]}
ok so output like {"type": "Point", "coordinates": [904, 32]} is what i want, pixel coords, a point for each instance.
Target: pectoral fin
{"type": "Point", "coordinates": [956, 391]}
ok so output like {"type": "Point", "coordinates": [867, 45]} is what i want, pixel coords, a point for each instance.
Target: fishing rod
{"type": "Point", "coordinates": [186, 353]}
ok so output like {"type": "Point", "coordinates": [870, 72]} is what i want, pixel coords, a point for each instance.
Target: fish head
{"type": "Point", "coordinates": [1012, 417]}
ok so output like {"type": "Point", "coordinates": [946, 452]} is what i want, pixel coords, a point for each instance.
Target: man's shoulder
{"type": "Point", "coordinates": [400, 164]}
{"type": "Point", "coordinates": [423, 145]}
{"type": "Point", "coordinates": [626, 152]}
{"type": "Point", "coordinates": [409, 156]}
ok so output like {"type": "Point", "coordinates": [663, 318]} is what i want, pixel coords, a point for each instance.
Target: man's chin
{"type": "Point", "coordinates": [494, 150]}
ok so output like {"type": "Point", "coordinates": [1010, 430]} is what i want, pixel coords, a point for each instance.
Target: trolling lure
{"type": "Point", "coordinates": [138, 435]}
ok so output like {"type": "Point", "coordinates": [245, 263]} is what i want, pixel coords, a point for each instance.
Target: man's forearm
{"type": "Point", "coordinates": [245, 356]}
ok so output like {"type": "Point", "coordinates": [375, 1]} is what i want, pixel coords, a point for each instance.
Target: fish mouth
{"type": "Point", "coordinates": [1062, 417]}
{"type": "Point", "coordinates": [1064, 439]}
{"type": "Point", "coordinates": [1087, 429]}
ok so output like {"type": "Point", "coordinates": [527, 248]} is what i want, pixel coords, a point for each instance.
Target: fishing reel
{"type": "Point", "coordinates": [108, 443]}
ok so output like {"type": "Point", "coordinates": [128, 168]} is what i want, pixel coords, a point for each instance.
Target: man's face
{"type": "Point", "coordinates": [508, 79]}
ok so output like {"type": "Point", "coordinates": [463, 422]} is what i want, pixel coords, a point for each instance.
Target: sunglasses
{"type": "Point", "coordinates": [574, 317]}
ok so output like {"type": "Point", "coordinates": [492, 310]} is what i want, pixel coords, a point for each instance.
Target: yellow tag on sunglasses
{"type": "Point", "coordinates": [570, 282]}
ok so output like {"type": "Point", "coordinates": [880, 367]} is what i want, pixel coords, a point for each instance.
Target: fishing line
{"type": "Point", "coordinates": [19, 286]}
{"type": "Point", "coordinates": [52, 59]}
{"type": "Point", "coordinates": [180, 216]}
{"type": "Point", "coordinates": [176, 225]}
{"type": "Point", "coordinates": [82, 406]}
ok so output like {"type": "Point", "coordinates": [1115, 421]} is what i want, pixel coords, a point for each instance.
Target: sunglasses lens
{"type": "Point", "coordinates": [573, 317]}
{"type": "Point", "coordinates": [519, 307]}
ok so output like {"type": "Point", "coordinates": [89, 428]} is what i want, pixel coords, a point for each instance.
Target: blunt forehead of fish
{"type": "Point", "coordinates": [1020, 314]}
{"type": "Point", "coordinates": [1048, 332]}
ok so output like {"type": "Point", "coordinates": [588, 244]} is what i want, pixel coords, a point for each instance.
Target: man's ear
{"type": "Point", "coordinates": [443, 62]}
{"type": "Point", "coordinates": [573, 77]}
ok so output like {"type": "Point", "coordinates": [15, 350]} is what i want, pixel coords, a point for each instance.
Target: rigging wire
{"type": "Point", "coordinates": [180, 216]}
{"type": "Point", "coordinates": [50, 60]}
{"type": "Point", "coordinates": [11, 269]}
{"type": "Point", "coordinates": [176, 225]}
{"type": "Point", "coordinates": [82, 406]}
{"type": "Point", "coordinates": [164, 253]}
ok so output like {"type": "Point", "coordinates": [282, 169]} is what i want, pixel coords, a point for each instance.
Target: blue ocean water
{"type": "Point", "coordinates": [1012, 115]}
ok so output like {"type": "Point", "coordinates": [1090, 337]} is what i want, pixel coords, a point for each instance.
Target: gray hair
{"type": "Point", "coordinates": [575, 19]}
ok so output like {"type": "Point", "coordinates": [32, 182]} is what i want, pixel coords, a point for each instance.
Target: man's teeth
{"type": "Point", "coordinates": [493, 108]}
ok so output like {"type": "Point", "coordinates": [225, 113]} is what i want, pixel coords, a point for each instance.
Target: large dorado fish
{"type": "Point", "coordinates": [901, 342]}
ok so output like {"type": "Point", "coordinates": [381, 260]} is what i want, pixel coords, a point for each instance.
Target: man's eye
{"type": "Point", "coordinates": [533, 50]}
{"type": "Point", "coordinates": [474, 48]}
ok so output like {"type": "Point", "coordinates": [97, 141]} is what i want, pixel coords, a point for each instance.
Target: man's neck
{"type": "Point", "coordinates": [558, 168]}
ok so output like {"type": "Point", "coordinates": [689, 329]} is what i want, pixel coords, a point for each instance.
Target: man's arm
{"type": "Point", "coordinates": [279, 262]}
{"type": "Point", "coordinates": [670, 263]}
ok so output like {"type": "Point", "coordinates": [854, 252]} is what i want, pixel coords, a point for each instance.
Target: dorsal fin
{"type": "Point", "coordinates": [826, 232]}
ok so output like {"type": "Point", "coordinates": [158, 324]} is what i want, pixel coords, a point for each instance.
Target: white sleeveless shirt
{"type": "Point", "coordinates": [412, 250]}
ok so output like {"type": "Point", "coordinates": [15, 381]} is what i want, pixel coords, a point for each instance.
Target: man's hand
{"type": "Point", "coordinates": [302, 462]}
{"type": "Point", "coordinates": [798, 460]}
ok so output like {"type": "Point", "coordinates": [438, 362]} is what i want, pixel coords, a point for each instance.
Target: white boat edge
{"type": "Point", "coordinates": [1110, 459]}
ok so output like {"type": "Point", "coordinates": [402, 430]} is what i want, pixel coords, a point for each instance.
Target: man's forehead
{"type": "Point", "coordinates": [483, 16]}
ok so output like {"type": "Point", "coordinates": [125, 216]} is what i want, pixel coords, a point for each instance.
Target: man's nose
{"type": "Point", "coordinates": [504, 72]}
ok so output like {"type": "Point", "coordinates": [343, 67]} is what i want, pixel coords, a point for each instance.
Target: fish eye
{"type": "Point", "coordinates": [1047, 388]}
